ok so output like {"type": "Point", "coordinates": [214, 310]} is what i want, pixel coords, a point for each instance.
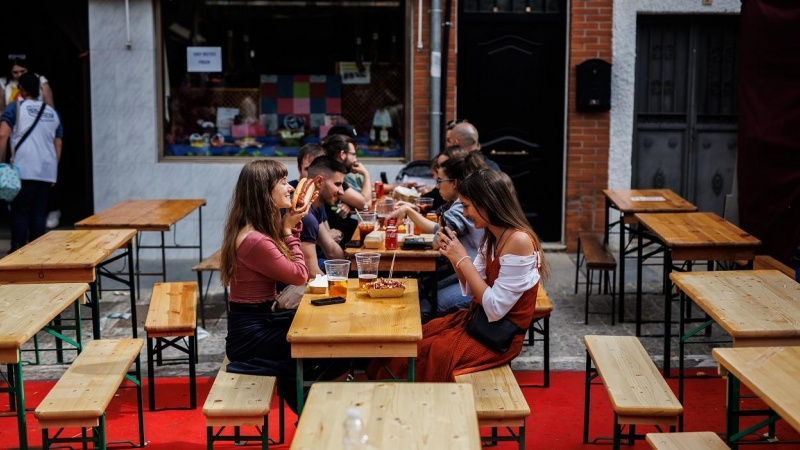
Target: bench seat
{"type": "Point", "coordinates": [541, 325]}
{"type": "Point", "coordinates": [638, 392]}
{"type": "Point", "coordinates": [239, 400]}
{"type": "Point", "coordinates": [498, 401]}
{"type": "Point", "coordinates": [80, 397]}
{"type": "Point", "coordinates": [172, 313]}
{"type": "Point", "coordinates": [704, 440]}
{"type": "Point", "coordinates": [210, 264]}
{"type": "Point", "coordinates": [597, 258]}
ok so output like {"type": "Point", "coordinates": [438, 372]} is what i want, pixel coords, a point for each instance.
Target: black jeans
{"type": "Point", "coordinates": [29, 212]}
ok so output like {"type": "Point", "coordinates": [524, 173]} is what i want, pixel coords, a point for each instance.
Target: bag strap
{"type": "Point", "coordinates": [28, 132]}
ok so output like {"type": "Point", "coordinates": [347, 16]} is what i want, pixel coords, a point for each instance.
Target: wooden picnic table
{"type": "Point", "coordinates": [396, 416]}
{"type": "Point", "coordinates": [690, 236]}
{"type": "Point", "coordinates": [405, 261]}
{"type": "Point", "coordinates": [25, 309]}
{"type": "Point", "coordinates": [72, 256]}
{"type": "Point", "coordinates": [757, 308]}
{"type": "Point", "coordinates": [630, 202]}
{"type": "Point", "coordinates": [362, 327]}
{"type": "Point", "coordinates": [146, 216]}
{"type": "Point", "coordinates": [772, 373]}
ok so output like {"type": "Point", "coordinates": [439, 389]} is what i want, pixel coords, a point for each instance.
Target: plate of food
{"type": "Point", "coordinates": [385, 288]}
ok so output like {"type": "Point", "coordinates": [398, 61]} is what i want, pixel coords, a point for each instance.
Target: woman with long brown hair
{"type": "Point", "coordinates": [259, 248]}
{"type": "Point", "coordinates": [503, 281]}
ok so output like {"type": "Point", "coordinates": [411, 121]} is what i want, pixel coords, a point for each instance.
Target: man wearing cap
{"type": "Point", "coordinates": [465, 135]}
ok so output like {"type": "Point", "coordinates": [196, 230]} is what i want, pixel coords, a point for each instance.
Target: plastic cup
{"type": "Point", "coordinates": [424, 203]}
{"type": "Point", "coordinates": [384, 208]}
{"type": "Point", "coordinates": [337, 270]}
{"type": "Point", "coordinates": [366, 224]}
{"type": "Point", "coordinates": [367, 268]}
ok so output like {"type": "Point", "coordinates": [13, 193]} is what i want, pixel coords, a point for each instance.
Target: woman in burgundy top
{"type": "Point", "coordinates": [259, 247]}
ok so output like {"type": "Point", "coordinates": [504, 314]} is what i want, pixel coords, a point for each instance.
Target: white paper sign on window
{"type": "Point", "coordinates": [204, 59]}
{"type": "Point", "coordinates": [351, 75]}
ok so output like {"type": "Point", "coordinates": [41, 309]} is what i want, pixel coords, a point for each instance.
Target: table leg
{"type": "Point", "coordinates": [639, 256]}
{"type": "Point", "coordinates": [621, 301]}
{"type": "Point", "coordinates": [93, 298]}
{"type": "Point", "coordinates": [134, 322]}
{"type": "Point", "coordinates": [163, 259]}
{"type": "Point", "coordinates": [138, 269]}
{"type": "Point", "coordinates": [667, 310]}
{"type": "Point", "coordinates": [300, 399]}
{"type": "Point", "coordinates": [411, 369]}
{"type": "Point", "coordinates": [200, 233]}
{"type": "Point", "coordinates": [731, 416]}
{"type": "Point", "coordinates": [18, 390]}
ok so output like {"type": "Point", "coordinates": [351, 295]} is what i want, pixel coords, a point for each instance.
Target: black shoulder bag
{"type": "Point", "coordinates": [497, 336]}
{"type": "Point", "coordinates": [28, 131]}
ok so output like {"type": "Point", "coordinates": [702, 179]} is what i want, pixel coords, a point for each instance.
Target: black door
{"type": "Point", "coordinates": [53, 36]}
{"type": "Point", "coordinates": [511, 87]}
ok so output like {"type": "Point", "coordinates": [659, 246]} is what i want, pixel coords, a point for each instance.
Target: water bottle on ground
{"type": "Point", "coordinates": [354, 436]}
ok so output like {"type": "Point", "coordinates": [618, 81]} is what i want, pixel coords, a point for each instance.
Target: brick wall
{"type": "Point", "coordinates": [587, 133]}
{"type": "Point", "coordinates": [421, 97]}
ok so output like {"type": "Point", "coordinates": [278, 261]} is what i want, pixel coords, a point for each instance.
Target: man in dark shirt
{"type": "Point", "coordinates": [465, 135]}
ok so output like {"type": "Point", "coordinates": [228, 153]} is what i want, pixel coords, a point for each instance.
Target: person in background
{"type": "Point", "coordinates": [317, 245]}
{"type": "Point", "coordinates": [36, 158]}
{"type": "Point", "coordinates": [305, 156]}
{"type": "Point", "coordinates": [9, 84]}
{"type": "Point", "coordinates": [464, 134]}
{"type": "Point", "coordinates": [450, 174]}
{"type": "Point", "coordinates": [342, 148]}
{"type": "Point", "coordinates": [452, 151]}
{"type": "Point", "coordinates": [503, 281]}
{"type": "Point", "coordinates": [260, 248]}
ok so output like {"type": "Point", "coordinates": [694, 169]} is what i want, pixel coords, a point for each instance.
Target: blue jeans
{"type": "Point", "coordinates": [29, 212]}
{"type": "Point", "coordinates": [447, 298]}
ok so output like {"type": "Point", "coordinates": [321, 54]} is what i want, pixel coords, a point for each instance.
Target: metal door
{"type": "Point", "coordinates": [686, 106]}
{"type": "Point", "coordinates": [511, 87]}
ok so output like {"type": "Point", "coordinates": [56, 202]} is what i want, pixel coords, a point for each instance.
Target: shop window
{"type": "Point", "coordinates": [263, 78]}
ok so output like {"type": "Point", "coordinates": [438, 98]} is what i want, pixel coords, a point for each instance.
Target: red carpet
{"type": "Point", "coordinates": [556, 414]}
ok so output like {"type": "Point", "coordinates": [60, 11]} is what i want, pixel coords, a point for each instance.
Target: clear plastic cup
{"type": "Point", "coordinates": [366, 224]}
{"type": "Point", "coordinates": [424, 204]}
{"type": "Point", "coordinates": [337, 270]}
{"type": "Point", "coordinates": [367, 268]}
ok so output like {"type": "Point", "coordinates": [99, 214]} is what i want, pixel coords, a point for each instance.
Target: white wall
{"type": "Point", "coordinates": [125, 130]}
{"type": "Point", "coordinates": [623, 73]}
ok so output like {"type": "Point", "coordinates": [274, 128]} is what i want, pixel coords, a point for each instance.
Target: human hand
{"type": "Point", "coordinates": [401, 204]}
{"type": "Point", "coordinates": [336, 234]}
{"type": "Point", "coordinates": [343, 210]}
{"type": "Point", "coordinates": [399, 212]}
{"type": "Point", "coordinates": [292, 217]}
{"type": "Point", "coordinates": [449, 246]}
{"type": "Point", "coordinates": [359, 168]}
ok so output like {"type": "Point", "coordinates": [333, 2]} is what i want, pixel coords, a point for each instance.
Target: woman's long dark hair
{"type": "Point", "coordinates": [252, 204]}
{"type": "Point", "coordinates": [489, 191]}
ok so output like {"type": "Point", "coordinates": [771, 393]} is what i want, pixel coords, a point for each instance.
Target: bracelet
{"type": "Point", "coordinates": [459, 261]}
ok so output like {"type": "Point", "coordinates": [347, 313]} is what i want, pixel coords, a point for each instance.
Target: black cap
{"type": "Point", "coordinates": [346, 130]}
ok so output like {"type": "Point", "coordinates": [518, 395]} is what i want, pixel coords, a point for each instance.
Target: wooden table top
{"type": "Point", "coordinates": [360, 320]}
{"type": "Point", "coordinates": [748, 304]}
{"type": "Point", "coordinates": [143, 215]}
{"type": "Point", "coordinates": [696, 229]}
{"type": "Point", "coordinates": [396, 416]}
{"type": "Point", "coordinates": [27, 308]}
{"type": "Point", "coordinates": [772, 373]}
{"type": "Point", "coordinates": [631, 201]}
{"type": "Point", "coordinates": [405, 261]}
{"type": "Point", "coordinates": [62, 250]}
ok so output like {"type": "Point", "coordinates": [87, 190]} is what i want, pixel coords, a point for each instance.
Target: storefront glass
{"type": "Point", "coordinates": [263, 78]}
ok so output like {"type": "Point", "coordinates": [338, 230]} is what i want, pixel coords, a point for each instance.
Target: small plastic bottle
{"type": "Point", "coordinates": [354, 436]}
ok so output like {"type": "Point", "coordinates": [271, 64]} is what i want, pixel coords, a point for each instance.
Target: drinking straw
{"type": "Point", "coordinates": [391, 268]}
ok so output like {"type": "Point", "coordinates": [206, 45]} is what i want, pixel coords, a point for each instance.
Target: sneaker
{"type": "Point", "coordinates": [53, 217]}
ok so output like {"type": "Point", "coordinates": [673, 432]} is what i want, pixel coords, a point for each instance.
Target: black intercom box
{"type": "Point", "coordinates": [593, 86]}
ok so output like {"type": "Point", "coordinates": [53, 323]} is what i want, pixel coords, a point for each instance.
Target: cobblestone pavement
{"type": "Point", "coordinates": [566, 324]}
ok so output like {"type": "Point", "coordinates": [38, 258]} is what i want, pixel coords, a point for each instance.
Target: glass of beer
{"type": "Point", "coordinates": [367, 268]}
{"type": "Point", "coordinates": [337, 270]}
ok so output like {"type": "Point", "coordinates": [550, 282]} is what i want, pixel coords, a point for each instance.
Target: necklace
{"type": "Point", "coordinates": [500, 240]}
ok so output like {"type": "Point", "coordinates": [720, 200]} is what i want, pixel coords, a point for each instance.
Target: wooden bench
{"type": "Point", "coordinates": [596, 257]}
{"type": "Point", "coordinates": [172, 314]}
{"type": "Point", "coordinates": [498, 402]}
{"type": "Point", "coordinates": [766, 262]}
{"type": "Point", "coordinates": [638, 392]}
{"type": "Point", "coordinates": [541, 325]}
{"type": "Point", "coordinates": [80, 397]}
{"type": "Point", "coordinates": [210, 264]}
{"type": "Point", "coordinates": [704, 440]}
{"type": "Point", "coordinates": [240, 400]}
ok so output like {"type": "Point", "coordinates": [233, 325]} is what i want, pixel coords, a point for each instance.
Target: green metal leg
{"type": "Point", "coordinates": [411, 369]}
{"type": "Point", "coordinates": [19, 392]}
{"type": "Point", "coordinates": [732, 417]}
{"type": "Point", "coordinates": [101, 432]}
{"type": "Point", "coordinates": [300, 399]}
{"type": "Point", "coordinates": [94, 298]}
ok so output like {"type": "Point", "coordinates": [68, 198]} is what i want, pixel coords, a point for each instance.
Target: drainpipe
{"type": "Point", "coordinates": [128, 43]}
{"type": "Point", "coordinates": [436, 77]}
{"type": "Point", "coordinates": [448, 8]}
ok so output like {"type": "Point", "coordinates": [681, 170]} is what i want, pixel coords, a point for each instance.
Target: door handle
{"type": "Point", "coordinates": [509, 152]}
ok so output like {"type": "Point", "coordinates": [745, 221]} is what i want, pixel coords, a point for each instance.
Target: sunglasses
{"type": "Point", "coordinates": [20, 56]}
{"type": "Point", "coordinates": [439, 180]}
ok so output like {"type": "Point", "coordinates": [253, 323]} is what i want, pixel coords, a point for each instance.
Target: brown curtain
{"type": "Point", "coordinates": [769, 125]}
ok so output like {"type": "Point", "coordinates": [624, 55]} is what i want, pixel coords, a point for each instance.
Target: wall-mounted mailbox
{"type": "Point", "coordinates": [593, 86]}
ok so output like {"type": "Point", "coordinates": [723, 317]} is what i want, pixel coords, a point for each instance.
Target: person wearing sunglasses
{"type": "Point", "coordinates": [450, 174]}
{"type": "Point", "coordinates": [18, 65]}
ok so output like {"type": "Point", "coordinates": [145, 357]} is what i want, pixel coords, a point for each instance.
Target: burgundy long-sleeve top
{"type": "Point", "coordinates": [259, 264]}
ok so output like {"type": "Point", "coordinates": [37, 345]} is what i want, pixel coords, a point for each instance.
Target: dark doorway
{"type": "Point", "coordinates": [54, 37]}
{"type": "Point", "coordinates": [511, 87]}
